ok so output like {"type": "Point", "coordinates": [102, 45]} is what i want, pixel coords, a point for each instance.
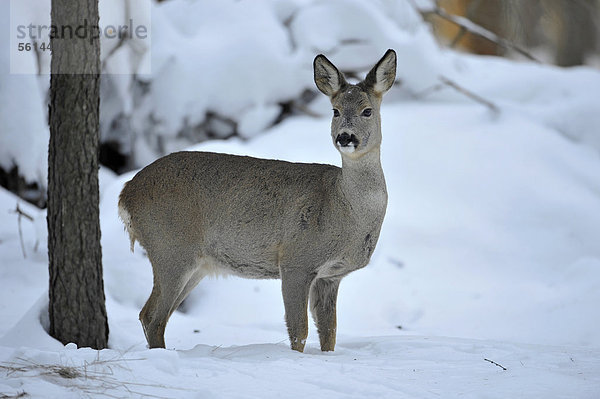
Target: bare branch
{"type": "Point", "coordinates": [429, 90]}
{"type": "Point", "coordinates": [493, 107]}
{"type": "Point", "coordinates": [305, 110]}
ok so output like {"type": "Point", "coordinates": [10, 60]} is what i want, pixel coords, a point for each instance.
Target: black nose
{"type": "Point", "coordinates": [346, 139]}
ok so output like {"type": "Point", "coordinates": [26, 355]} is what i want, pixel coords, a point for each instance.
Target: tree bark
{"type": "Point", "coordinates": [76, 308]}
{"type": "Point", "coordinates": [576, 31]}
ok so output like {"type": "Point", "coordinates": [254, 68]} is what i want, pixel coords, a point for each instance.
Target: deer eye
{"type": "Point", "coordinates": [336, 113]}
{"type": "Point", "coordinates": [367, 112]}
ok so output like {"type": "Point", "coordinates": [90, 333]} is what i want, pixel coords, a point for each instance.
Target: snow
{"type": "Point", "coordinates": [415, 367]}
{"type": "Point", "coordinates": [485, 282]}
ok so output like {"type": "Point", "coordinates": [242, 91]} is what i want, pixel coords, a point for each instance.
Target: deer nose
{"type": "Point", "coordinates": [345, 139]}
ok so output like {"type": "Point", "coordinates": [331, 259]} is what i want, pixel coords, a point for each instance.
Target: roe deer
{"type": "Point", "coordinates": [199, 213]}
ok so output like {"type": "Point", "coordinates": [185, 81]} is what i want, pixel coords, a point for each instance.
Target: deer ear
{"type": "Point", "coordinates": [327, 77]}
{"type": "Point", "coordinates": [382, 76]}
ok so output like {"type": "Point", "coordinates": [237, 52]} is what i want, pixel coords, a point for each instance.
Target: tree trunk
{"type": "Point", "coordinates": [77, 310]}
{"type": "Point", "coordinates": [489, 14]}
{"type": "Point", "coordinates": [576, 34]}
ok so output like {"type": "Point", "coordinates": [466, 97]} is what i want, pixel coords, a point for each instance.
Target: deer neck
{"type": "Point", "coordinates": [363, 184]}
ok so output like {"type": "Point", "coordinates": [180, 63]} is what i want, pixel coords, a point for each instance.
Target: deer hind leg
{"type": "Point", "coordinates": [174, 278]}
{"type": "Point", "coordinates": [146, 317]}
{"type": "Point", "coordinates": [189, 286]}
{"type": "Point", "coordinates": [323, 299]}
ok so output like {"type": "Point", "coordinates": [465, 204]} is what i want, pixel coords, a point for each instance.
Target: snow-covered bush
{"type": "Point", "coordinates": [218, 68]}
{"type": "Point", "coordinates": [231, 67]}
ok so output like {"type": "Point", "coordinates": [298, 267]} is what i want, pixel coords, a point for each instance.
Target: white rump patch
{"type": "Point", "coordinates": [126, 218]}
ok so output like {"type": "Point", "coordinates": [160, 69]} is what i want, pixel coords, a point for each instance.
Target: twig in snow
{"type": "Point", "coordinates": [496, 364]}
{"type": "Point", "coordinates": [493, 107]}
{"type": "Point", "coordinates": [466, 24]}
{"type": "Point", "coordinates": [21, 394]}
{"type": "Point", "coordinates": [20, 214]}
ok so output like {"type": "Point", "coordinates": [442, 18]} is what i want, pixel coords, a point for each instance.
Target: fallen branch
{"type": "Point", "coordinates": [496, 364]}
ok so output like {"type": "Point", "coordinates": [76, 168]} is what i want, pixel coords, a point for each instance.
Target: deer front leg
{"type": "Point", "coordinates": [295, 285]}
{"type": "Point", "coordinates": [323, 299]}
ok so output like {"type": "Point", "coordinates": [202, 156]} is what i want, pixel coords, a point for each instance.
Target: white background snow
{"type": "Point", "coordinates": [490, 248]}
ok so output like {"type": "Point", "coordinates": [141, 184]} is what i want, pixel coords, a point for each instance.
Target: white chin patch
{"type": "Point", "coordinates": [347, 149]}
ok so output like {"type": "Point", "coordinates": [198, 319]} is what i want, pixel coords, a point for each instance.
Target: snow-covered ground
{"type": "Point", "coordinates": [485, 282]}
